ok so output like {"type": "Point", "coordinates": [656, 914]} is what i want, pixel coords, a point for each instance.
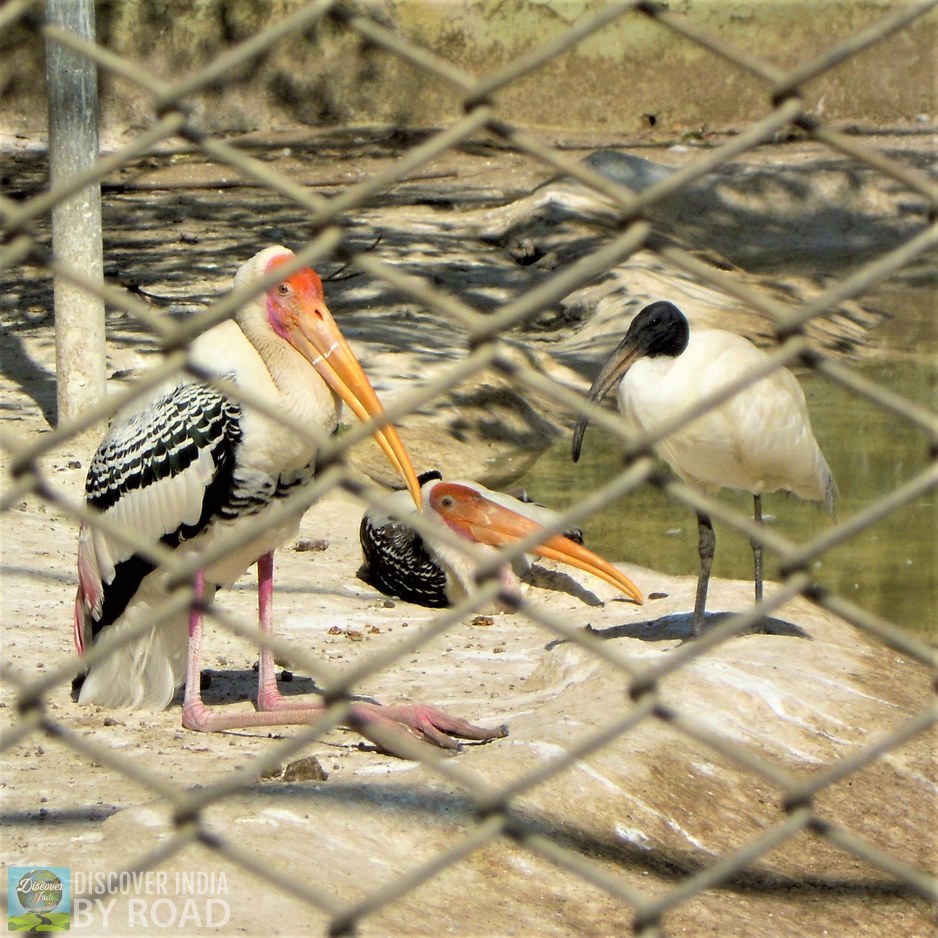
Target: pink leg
{"type": "Point", "coordinates": [268, 693]}
{"type": "Point", "coordinates": [273, 709]}
{"type": "Point", "coordinates": [194, 712]}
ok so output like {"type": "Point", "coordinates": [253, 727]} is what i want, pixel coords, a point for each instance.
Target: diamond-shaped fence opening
{"type": "Point", "coordinates": [774, 775]}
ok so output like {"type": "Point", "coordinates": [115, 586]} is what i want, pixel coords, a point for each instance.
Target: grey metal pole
{"type": "Point", "coordinates": [76, 222]}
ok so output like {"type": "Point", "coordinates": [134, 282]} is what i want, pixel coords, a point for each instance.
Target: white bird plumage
{"type": "Point", "coordinates": [759, 440]}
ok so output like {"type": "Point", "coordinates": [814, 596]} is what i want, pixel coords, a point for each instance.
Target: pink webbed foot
{"type": "Point", "coordinates": [424, 723]}
{"type": "Point", "coordinates": [380, 724]}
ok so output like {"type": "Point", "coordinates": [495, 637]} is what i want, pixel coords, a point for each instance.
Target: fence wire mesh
{"type": "Point", "coordinates": [623, 222]}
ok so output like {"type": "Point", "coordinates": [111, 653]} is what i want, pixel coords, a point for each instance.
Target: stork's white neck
{"type": "Point", "coordinates": [461, 570]}
{"type": "Point", "coordinates": [301, 391]}
{"type": "Point", "coordinates": [271, 369]}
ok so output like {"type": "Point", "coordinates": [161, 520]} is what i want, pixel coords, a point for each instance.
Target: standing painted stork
{"type": "Point", "coordinates": [190, 468]}
{"type": "Point", "coordinates": [426, 570]}
{"type": "Point", "coordinates": [760, 440]}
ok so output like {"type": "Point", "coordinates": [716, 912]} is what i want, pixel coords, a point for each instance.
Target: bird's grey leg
{"type": "Point", "coordinates": [757, 547]}
{"type": "Point", "coordinates": [705, 546]}
{"type": "Point", "coordinates": [273, 709]}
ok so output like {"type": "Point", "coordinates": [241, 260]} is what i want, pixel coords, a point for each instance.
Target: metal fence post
{"type": "Point", "coordinates": [76, 222]}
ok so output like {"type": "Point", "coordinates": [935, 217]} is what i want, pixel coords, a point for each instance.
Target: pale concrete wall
{"type": "Point", "coordinates": [609, 83]}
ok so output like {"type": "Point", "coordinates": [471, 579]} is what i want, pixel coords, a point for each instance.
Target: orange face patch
{"type": "Point", "coordinates": [301, 290]}
{"type": "Point", "coordinates": [305, 282]}
{"type": "Point", "coordinates": [450, 498]}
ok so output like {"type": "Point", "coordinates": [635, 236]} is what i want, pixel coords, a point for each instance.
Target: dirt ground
{"type": "Point", "coordinates": [644, 812]}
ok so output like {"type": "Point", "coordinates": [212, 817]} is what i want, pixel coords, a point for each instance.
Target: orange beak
{"type": "Point", "coordinates": [476, 518]}
{"type": "Point", "coordinates": [298, 312]}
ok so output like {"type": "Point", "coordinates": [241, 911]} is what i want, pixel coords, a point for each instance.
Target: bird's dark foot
{"type": "Point", "coordinates": [427, 724]}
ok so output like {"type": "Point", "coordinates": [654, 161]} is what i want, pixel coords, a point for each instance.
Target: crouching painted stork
{"type": "Point", "coordinates": [190, 468]}
{"type": "Point", "coordinates": [428, 571]}
{"type": "Point", "coordinates": [759, 441]}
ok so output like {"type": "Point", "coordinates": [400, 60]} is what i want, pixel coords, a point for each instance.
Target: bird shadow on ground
{"type": "Point", "coordinates": [560, 582]}
{"type": "Point", "coordinates": [34, 381]}
{"type": "Point", "coordinates": [678, 626]}
{"type": "Point", "coordinates": [225, 686]}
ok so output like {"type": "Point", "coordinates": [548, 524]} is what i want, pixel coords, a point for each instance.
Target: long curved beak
{"type": "Point", "coordinates": [317, 337]}
{"type": "Point", "coordinates": [484, 521]}
{"type": "Point", "coordinates": [618, 363]}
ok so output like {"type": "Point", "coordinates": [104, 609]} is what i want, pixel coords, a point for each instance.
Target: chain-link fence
{"type": "Point", "coordinates": [707, 807]}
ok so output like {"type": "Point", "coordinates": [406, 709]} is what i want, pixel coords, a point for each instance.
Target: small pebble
{"type": "Point", "coordinates": [306, 769]}
{"type": "Point", "coordinates": [311, 544]}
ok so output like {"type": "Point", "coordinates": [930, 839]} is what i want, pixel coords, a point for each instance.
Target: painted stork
{"type": "Point", "coordinates": [760, 440]}
{"type": "Point", "coordinates": [189, 468]}
{"type": "Point", "coordinates": [430, 572]}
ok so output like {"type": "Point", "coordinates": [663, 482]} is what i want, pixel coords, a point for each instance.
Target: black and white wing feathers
{"type": "Point", "coordinates": [163, 473]}
{"type": "Point", "coordinates": [398, 564]}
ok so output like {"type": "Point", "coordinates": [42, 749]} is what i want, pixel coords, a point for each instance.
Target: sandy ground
{"type": "Point", "coordinates": [646, 810]}
{"type": "Point", "coordinates": [658, 799]}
